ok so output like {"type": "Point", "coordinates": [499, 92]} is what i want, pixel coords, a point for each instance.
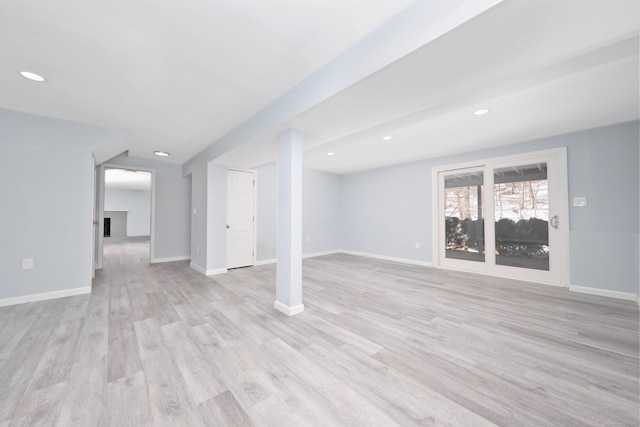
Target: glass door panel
{"type": "Point", "coordinates": [463, 218]}
{"type": "Point", "coordinates": [521, 213]}
{"type": "Point", "coordinates": [505, 216]}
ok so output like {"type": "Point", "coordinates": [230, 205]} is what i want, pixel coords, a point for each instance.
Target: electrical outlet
{"type": "Point", "coordinates": [417, 245]}
{"type": "Point", "coordinates": [27, 263]}
{"type": "Point", "coordinates": [306, 239]}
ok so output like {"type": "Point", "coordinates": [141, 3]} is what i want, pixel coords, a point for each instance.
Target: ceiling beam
{"type": "Point", "coordinates": [420, 23]}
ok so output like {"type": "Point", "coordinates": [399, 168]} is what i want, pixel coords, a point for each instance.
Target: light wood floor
{"type": "Point", "coordinates": [379, 344]}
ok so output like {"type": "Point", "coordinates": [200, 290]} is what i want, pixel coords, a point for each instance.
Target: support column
{"type": "Point", "coordinates": [289, 244]}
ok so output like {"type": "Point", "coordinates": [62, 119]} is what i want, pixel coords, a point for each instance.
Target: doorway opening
{"type": "Point", "coordinates": [107, 227]}
{"type": "Point", "coordinates": [124, 207]}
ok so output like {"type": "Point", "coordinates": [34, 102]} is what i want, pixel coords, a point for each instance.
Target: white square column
{"type": "Point", "coordinates": [289, 241]}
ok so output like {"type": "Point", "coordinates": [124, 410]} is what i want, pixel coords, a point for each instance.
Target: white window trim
{"type": "Point", "coordinates": [560, 153]}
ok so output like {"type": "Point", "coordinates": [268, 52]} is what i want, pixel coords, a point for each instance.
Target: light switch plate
{"type": "Point", "coordinates": [579, 201]}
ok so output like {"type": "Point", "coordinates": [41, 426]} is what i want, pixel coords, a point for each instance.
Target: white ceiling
{"type": "Point", "coordinates": [178, 76]}
{"type": "Point", "coordinates": [175, 74]}
{"type": "Point", "coordinates": [543, 67]}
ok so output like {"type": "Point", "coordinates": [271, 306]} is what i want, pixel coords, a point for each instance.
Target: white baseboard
{"type": "Point", "coordinates": [580, 289]}
{"type": "Point", "coordinates": [289, 311]}
{"type": "Point", "coordinates": [216, 271]}
{"type": "Point", "coordinates": [170, 259]}
{"type": "Point", "coordinates": [323, 253]}
{"type": "Point", "coordinates": [363, 254]}
{"type": "Point", "coordinates": [388, 258]}
{"type": "Point", "coordinates": [311, 255]}
{"type": "Point", "coordinates": [604, 293]}
{"type": "Point", "coordinates": [207, 272]}
{"type": "Point", "coordinates": [304, 256]}
{"type": "Point", "coordinates": [285, 309]}
{"type": "Point", "coordinates": [44, 296]}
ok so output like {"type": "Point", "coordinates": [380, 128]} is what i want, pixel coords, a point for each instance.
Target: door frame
{"type": "Point", "coordinates": [456, 264]}
{"type": "Point", "coordinates": [255, 212]}
{"type": "Point", "coordinates": [152, 231]}
{"type": "Point", "coordinates": [563, 255]}
{"type": "Point", "coordinates": [98, 218]}
{"type": "Point", "coordinates": [94, 220]}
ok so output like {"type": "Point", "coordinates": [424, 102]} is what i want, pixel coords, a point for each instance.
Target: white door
{"type": "Point", "coordinates": [240, 218]}
{"type": "Point", "coordinates": [506, 217]}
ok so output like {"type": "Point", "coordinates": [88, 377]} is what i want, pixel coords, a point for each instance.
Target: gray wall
{"type": "Point", "coordinates": [208, 217]}
{"type": "Point", "coordinates": [46, 177]}
{"type": "Point", "coordinates": [137, 205]}
{"type": "Point", "coordinates": [199, 217]}
{"type": "Point", "coordinates": [172, 236]}
{"type": "Point", "coordinates": [604, 235]}
{"type": "Point", "coordinates": [266, 211]}
{"type": "Point", "coordinates": [117, 223]}
{"type": "Point", "coordinates": [321, 220]}
{"type": "Point", "coordinates": [386, 211]}
{"type": "Point", "coordinates": [216, 217]}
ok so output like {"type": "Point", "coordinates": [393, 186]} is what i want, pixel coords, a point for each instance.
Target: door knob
{"type": "Point", "coordinates": [555, 221]}
{"type": "Point", "coordinates": [228, 226]}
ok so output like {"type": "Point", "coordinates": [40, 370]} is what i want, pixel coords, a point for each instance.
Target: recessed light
{"type": "Point", "coordinates": [161, 153]}
{"type": "Point", "coordinates": [481, 111]}
{"type": "Point", "coordinates": [32, 76]}
{"type": "Point", "coordinates": [331, 154]}
{"type": "Point", "coordinates": [386, 138]}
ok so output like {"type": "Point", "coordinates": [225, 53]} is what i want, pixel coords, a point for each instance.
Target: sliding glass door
{"type": "Point", "coordinates": [521, 216]}
{"type": "Point", "coordinates": [504, 217]}
{"type": "Point", "coordinates": [464, 221]}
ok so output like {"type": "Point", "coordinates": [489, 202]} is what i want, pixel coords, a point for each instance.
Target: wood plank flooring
{"type": "Point", "coordinates": [379, 344]}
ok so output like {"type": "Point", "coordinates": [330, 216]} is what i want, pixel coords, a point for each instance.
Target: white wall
{"type": "Point", "coordinates": [137, 205]}
{"type": "Point", "coordinates": [46, 176]}
{"type": "Point", "coordinates": [387, 210]}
